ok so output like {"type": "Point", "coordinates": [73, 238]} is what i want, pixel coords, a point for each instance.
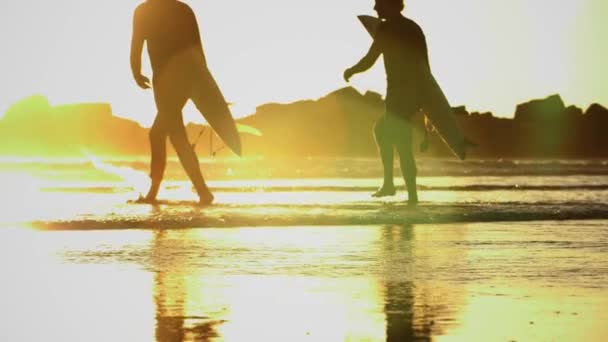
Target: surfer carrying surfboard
{"type": "Point", "coordinates": [403, 46]}
{"type": "Point", "coordinates": [180, 73]}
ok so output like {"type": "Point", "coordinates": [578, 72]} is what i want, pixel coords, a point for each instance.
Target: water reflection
{"type": "Point", "coordinates": [399, 303]}
{"type": "Point", "coordinates": [303, 284]}
{"type": "Point", "coordinates": [397, 283]}
{"type": "Point", "coordinates": [258, 284]}
{"type": "Point", "coordinates": [171, 297]}
{"type": "Point", "coordinates": [415, 300]}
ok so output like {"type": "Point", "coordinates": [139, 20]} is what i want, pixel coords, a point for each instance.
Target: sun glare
{"type": "Point", "coordinates": [139, 180]}
{"type": "Point", "coordinates": [21, 198]}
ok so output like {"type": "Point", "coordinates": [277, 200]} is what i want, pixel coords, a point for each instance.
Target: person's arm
{"type": "Point", "coordinates": [137, 46]}
{"type": "Point", "coordinates": [365, 63]}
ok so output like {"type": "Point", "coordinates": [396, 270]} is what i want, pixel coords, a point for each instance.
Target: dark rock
{"type": "Point", "coordinates": [574, 112]}
{"type": "Point", "coordinates": [460, 110]}
{"type": "Point", "coordinates": [597, 111]}
{"type": "Point", "coordinates": [548, 109]}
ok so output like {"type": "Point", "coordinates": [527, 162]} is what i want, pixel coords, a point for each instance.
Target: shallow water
{"type": "Point", "coordinates": [299, 251]}
{"type": "Point", "coordinates": [76, 195]}
{"type": "Point", "coordinates": [476, 281]}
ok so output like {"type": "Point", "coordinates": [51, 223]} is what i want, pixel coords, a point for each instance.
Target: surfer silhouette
{"type": "Point", "coordinates": [170, 31]}
{"type": "Point", "coordinates": [403, 46]}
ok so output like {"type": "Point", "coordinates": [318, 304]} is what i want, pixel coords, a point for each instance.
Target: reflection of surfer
{"type": "Point", "coordinates": [170, 30]}
{"type": "Point", "coordinates": [403, 46]}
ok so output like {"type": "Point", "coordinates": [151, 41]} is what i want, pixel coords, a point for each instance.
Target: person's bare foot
{"type": "Point", "coordinates": [206, 200]}
{"type": "Point", "coordinates": [385, 191]}
{"type": "Point", "coordinates": [145, 200]}
{"type": "Point", "coordinates": [412, 200]}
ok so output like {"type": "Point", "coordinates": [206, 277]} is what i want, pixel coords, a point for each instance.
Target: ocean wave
{"type": "Point", "coordinates": [346, 188]}
{"type": "Point", "coordinates": [185, 214]}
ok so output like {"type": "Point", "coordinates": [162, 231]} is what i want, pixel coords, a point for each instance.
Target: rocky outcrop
{"type": "Point", "coordinates": [548, 109]}
{"type": "Point", "coordinates": [338, 124]}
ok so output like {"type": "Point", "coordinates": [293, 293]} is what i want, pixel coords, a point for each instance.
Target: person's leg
{"type": "Point", "coordinates": [385, 148]}
{"type": "Point", "coordinates": [158, 156]}
{"type": "Point", "coordinates": [170, 95]}
{"type": "Point", "coordinates": [189, 160]}
{"type": "Point", "coordinates": [183, 73]}
{"type": "Point", "coordinates": [406, 157]}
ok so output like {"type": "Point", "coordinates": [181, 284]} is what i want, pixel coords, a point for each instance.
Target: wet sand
{"type": "Point", "coordinates": [535, 281]}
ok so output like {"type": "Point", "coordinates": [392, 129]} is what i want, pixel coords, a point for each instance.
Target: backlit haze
{"type": "Point", "coordinates": [487, 54]}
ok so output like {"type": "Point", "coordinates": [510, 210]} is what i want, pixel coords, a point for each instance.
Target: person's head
{"type": "Point", "coordinates": [389, 8]}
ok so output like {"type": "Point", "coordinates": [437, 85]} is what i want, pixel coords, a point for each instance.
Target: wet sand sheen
{"type": "Point", "coordinates": [479, 281]}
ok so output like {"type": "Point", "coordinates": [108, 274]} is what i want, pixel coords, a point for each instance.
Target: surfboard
{"type": "Point", "coordinates": [214, 108]}
{"type": "Point", "coordinates": [436, 106]}
{"type": "Point", "coordinates": [190, 67]}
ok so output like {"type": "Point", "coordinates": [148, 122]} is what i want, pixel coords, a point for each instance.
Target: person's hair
{"type": "Point", "coordinates": [400, 4]}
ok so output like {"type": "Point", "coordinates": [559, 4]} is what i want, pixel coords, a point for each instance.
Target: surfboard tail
{"type": "Point", "coordinates": [210, 101]}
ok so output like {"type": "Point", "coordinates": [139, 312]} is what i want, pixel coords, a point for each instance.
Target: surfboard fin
{"type": "Point", "coordinates": [469, 144]}
{"type": "Point", "coordinates": [424, 145]}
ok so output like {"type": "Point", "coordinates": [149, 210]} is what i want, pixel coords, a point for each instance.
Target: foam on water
{"type": "Point", "coordinates": [316, 192]}
{"type": "Point", "coordinates": [187, 215]}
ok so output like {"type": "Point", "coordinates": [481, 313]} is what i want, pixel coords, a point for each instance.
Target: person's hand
{"type": "Point", "coordinates": [424, 145]}
{"type": "Point", "coordinates": [348, 73]}
{"type": "Point", "coordinates": [142, 81]}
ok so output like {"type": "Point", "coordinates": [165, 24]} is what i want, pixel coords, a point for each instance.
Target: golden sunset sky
{"type": "Point", "coordinates": [486, 54]}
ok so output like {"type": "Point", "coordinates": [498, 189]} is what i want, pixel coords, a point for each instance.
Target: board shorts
{"type": "Point", "coordinates": [403, 101]}
{"type": "Point", "coordinates": [180, 80]}
{"type": "Point", "coordinates": [394, 129]}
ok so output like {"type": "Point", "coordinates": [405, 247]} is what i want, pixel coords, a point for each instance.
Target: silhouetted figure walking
{"type": "Point", "coordinates": [170, 30]}
{"type": "Point", "coordinates": [403, 46]}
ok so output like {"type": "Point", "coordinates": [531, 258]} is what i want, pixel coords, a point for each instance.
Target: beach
{"type": "Point", "coordinates": [496, 251]}
{"type": "Point", "coordinates": [456, 282]}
